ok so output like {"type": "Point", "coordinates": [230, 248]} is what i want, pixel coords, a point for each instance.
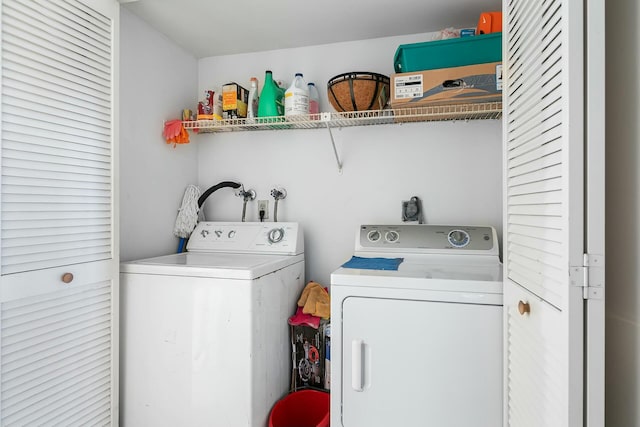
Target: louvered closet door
{"type": "Point", "coordinates": [58, 251]}
{"type": "Point", "coordinates": [544, 213]}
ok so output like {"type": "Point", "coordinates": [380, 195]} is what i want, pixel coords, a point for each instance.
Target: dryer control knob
{"type": "Point", "coordinates": [458, 238]}
{"type": "Point", "coordinates": [374, 236]}
{"type": "Point", "coordinates": [275, 235]}
{"type": "Point", "coordinates": [392, 236]}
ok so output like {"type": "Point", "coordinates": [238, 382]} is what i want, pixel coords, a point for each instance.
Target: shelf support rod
{"type": "Point", "coordinates": [335, 151]}
{"type": "Point", "coordinates": [326, 117]}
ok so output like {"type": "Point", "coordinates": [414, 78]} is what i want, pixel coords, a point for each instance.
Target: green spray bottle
{"type": "Point", "coordinates": [271, 104]}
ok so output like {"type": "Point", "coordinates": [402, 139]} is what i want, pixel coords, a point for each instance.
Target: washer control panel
{"type": "Point", "coordinates": [426, 237]}
{"type": "Point", "coordinates": [247, 237]}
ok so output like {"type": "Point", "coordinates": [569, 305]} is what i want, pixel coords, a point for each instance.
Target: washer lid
{"type": "Point", "coordinates": [213, 265]}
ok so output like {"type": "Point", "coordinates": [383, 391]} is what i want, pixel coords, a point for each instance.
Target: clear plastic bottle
{"type": "Point", "coordinates": [314, 99]}
{"type": "Point", "coordinates": [270, 104]}
{"type": "Point", "coordinates": [296, 98]}
{"type": "Point", "coordinates": [282, 87]}
{"type": "Point", "coordinates": [252, 107]}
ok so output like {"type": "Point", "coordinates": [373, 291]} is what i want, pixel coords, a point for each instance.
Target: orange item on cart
{"type": "Point", "coordinates": [489, 22]}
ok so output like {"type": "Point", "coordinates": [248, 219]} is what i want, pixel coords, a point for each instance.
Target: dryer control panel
{"type": "Point", "coordinates": [425, 238]}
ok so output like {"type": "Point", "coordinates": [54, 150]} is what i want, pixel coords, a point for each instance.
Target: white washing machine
{"type": "Point", "coordinates": [420, 345]}
{"type": "Point", "coordinates": [204, 333]}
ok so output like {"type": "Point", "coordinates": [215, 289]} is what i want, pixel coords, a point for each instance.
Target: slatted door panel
{"type": "Point", "coordinates": [543, 149]}
{"type": "Point", "coordinates": [535, 171]}
{"type": "Point", "coordinates": [56, 135]}
{"type": "Point", "coordinates": [536, 367]}
{"type": "Point", "coordinates": [55, 360]}
{"type": "Point", "coordinates": [58, 337]}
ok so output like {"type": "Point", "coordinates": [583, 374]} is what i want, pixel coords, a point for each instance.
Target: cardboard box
{"type": "Point", "coordinates": [308, 345]}
{"type": "Point", "coordinates": [447, 86]}
{"type": "Point", "coordinates": [211, 107]}
{"type": "Point", "coordinates": [235, 99]}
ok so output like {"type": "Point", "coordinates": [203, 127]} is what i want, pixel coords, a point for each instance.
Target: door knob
{"type": "Point", "coordinates": [524, 307]}
{"type": "Point", "coordinates": [67, 277]}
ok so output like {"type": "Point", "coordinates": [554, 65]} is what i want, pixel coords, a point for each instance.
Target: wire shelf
{"type": "Point", "coordinates": [477, 111]}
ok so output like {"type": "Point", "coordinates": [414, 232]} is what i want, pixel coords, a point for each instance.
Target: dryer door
{"type": "Point", "coordinates": [415, 363]}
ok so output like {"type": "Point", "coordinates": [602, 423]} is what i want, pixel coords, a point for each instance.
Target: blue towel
{"type": "Point", "coordinates": [373, 263]}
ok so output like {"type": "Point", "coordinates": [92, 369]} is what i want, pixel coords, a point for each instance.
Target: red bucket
{"type": "Point", "coordinates": [303, 408]}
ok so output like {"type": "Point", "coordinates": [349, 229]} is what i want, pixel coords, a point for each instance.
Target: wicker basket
{"type": "Point", "coordinates": [358, 91]}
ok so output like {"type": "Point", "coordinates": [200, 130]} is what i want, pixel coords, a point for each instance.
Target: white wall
{"type": "Point", "coordinates": [455, 168]}
{"type": "Point", "coordinates": [622, 214]}
{"type": "Point", "coordinates": [158, 79]}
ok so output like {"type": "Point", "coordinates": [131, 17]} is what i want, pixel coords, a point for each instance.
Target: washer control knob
{"type": "Point", "coordinates": [458, 238]}
{"type": "Point", "coordinates": [275, 235]}
{"type": "Point", "coordinates": [392, 236]}
{"type": "Point", "coordinates": [374, 235]}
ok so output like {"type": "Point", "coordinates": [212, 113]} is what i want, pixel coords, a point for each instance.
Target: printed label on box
{"type": "Point", "coordinates": [308, 356]}
{"type": "Point", "coordinates": [448, 86]}
{"type": "Point", "coordinates": [407, 87]}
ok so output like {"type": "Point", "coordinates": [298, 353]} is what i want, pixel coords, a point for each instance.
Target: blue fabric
{"type": "Point", "coordinates": [373, 263]}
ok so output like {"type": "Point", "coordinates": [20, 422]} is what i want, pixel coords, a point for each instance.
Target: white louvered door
{"type": "Point", "coordinates": [58, 251]}
{"type": "Point", "coordinates": [545, 187]}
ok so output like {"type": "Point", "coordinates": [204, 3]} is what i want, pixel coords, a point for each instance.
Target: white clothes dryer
{"type": "Point", "coordinates": [419, 345]}
{"type": "Point", "coordinates": [204, 333]}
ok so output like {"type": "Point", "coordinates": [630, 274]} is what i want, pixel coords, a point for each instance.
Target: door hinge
{"type": "Point", "coordinates": [589, 276]}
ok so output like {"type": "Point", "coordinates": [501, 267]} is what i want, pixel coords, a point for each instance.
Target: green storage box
{"type": "Point", "coordinates": [448, 53]}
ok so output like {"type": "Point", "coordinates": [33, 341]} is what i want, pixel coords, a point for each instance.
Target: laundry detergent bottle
{"type": "Point", "coordinates": [270, 104]}
{"type": "Point", "coordinates": [296, 98]}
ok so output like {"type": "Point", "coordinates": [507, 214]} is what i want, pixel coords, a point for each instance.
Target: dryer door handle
{"type": "Point", "coordinates": [356, 364]}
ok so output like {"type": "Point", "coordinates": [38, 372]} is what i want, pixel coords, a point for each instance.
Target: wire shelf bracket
{"type": "Point", "coordinates": [326, 119]}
